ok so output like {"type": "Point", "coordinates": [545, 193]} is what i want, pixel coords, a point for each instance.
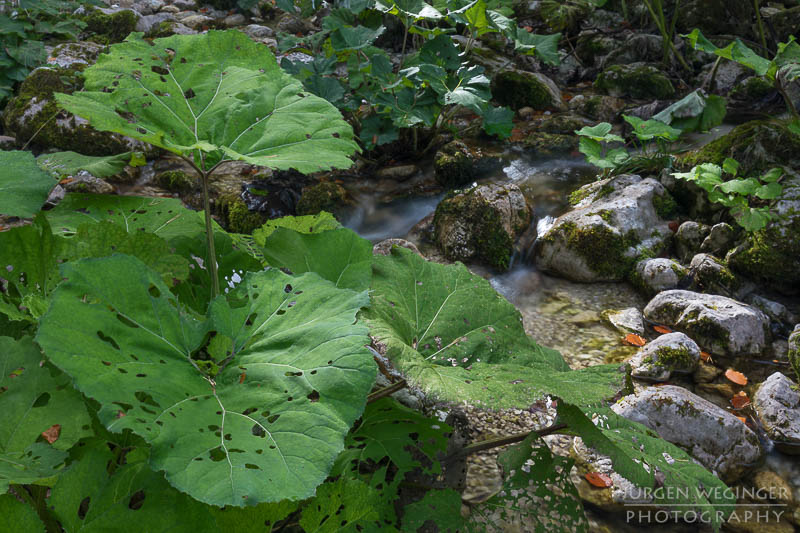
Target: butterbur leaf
{"type": "Point", "coordinates": [350, 38]}
{"type": "Point", "coordinates": [243, 519]}
{"type": "Point", "coordinates": [646, 130]}
{"type": "Point", "coordinates": [311, 224]}
{"type": "Point", "coordinates": [642, 457]}
{"type": "Point", "coordinates": [772, 175]}
{"type": "Point", "coordinates": [339, 255]}
{"type": "Point", "coordinates": [735, 51]}
{"type": "Point", "coordinates": [115, 328]}
{"type": "Point", "coordinates": [88, 499]}
{"type": "Point", "coordinates": [454, 337]}
{"type": "Point", "coordinates": [537, 494]}
{"type": "Point", "coordinates": [731, 166]}
{"type": "Point", "coordinates": [770, 191]}
{"type": "Point", "coordinates": [599, 132]}
{"type": "Point", "coordinates": [24, 186]}
{"type": "Point", "coordinates": [744, 187]}
{"type": "Point", "coordinates": [498, 121]}
{"type": "Point", "coordinates": [416, 9]}
{"type": "Point", "coordinates": [440, 507]}
{"type": "Point", "coordinates": [68, 163]}
{"type": "Point", "coordinates": [218, 93]}
{"type": "Point", "coordinates": [545, 47]}
{"type": "Point", "coordinates": [347, 506]}
{"type": "Point", "coordinates": [695, 111]}
{"type": "Point", "coordinates": [17, 516]}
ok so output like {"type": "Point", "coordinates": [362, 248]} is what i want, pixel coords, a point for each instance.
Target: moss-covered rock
{"type": "Point", "coordinates": [457, 163]}
{"type": "Point", "coordinates": [636, 80]}
{"type": "Point", "coordinates": [108, 26]}
{"type": "Point", "coordinates": [757, 145]}
{"type": "Point", "coordinates": [593, 45]}
{"type": "Point", "coordinates": [564, 123]}
{"type": "Point", "coordinates": [717, 17]}
{"type": "Point", "coordinates": [175, 181]}
{"type": "Point", "coordinates": [481, 224]}
{"type": "Point", "coordinates": [752, 88]}
{"type": "Point", "coordinates": [598, 107]}
{"type": "Point", "coordinates": [237, 218]}
{"type": "Point", "coordinates": [34, 114]}
{"type": "Point", "coordinates": [541, 143]}
{"type": "Point", "coordinates": [673, 352]}
{"type": "Point", "coordinates": [324, 196]}
{"type": "Point", "coordinates": [711, 275]}
{"type": "Point", "coordinates": [518, 89]}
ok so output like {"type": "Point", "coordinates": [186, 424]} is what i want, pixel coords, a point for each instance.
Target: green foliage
{"type": "Point", "coordinates": [16, 516]}
{"type": "Point", "coordinates": [747, 198]}
{"type": "Point", "coordinates": [270, 404]}
{"type": "Point", "coordinates": [456, 339]}
{"type": "Point", "coordinates": [307, 224]}
{"type": "Point", "coordinates": [694, 112]}
{"type": "Point", "coordinates": [23, 29]}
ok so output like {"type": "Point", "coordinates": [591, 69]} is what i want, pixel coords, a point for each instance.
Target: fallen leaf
{"type": "Point", "coordinates": [51, 434]}
{"type": "Point", "coordinates": [242, 376]}
{"type": "Point", "coordinates": [706, 357]}
{"type": "Point", "coordinates": [599, 480]}
{"type": "Point", "coordinates": [736, 377]}
{"type": "Point", "coordinates": [673, 226]}
{"type": "Point", "coordinates": [66, 181]}
{"type": "Point", "coordinates": [740, 400]}
{"type": "Point", "coordinates": [662, 329]}
{"type": "Point", "coordinates": [634, 340]}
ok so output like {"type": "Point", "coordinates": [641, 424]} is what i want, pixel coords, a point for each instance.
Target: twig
{"type": "Point", "coordinates": [502, 441]}
{"type": "Point", "coordinates": [387, 391]}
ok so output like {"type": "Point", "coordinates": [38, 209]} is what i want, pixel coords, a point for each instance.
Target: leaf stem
{"type": "Point", "coordinates": [488, 444]}
{"type": "Point", "coordinates": [212, 253]}
{"type": "Point", "coordinates": [391, 389]}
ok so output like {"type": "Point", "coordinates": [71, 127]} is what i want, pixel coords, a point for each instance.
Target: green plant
{"type": "Point", "coordinates": [24, 25]}
{"type": "Point", "coordinates": [174, 93]}
{"type": "Point", "coordinates": [781, 70]}
{"type": "Point", "coordinates": [667, 29]}
{"type": "Point", "coordinates": [737, 193]}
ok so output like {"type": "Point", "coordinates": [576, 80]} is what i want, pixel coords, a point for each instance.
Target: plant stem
{"type": "Point", "coordinates": [787, 99]}
{"type": "Point", "coordinates": [502, 441]}
{"type": "Point", "coordinates": [212, 253]}
{"type": "Point", "coordinates": [760, 24]}
{"type": "Point", "coordinates": [387, 391]}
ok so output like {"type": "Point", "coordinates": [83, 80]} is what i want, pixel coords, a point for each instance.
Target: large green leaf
{"type": "Point", "coordinates": [454, 337]}
{"type": "Point", "coordinates": [439, 507]}
{"type": "Point", "coordinates": [219, 93]}
{"type": "Point", "coordinates": [545, 47]}
{"type": "Point", "coordinates": [89, 499]}
{"type": "Point", "coordinates": [23, 185]}
{"type": "Point", "coordinates": [265, 423]}
{"type": "Point", "coordinates": [695, 111]}
{"type": "Point", "coordinates": [537, 494]}
{"type": "Point", "coordinates": [735, 51]}
{"type": "Point", "coordinates": [648, 461]}
{"type": "Point", "coordinates": [339, 255]}
{"type": "Point", "coordinates": [16, 516]}
{"type": "Point", "coordinates": [67, 163]}
{"type": "Point", "coordinates": [346, 506]}
{"type": "Point", "coordinates": [322, 221]}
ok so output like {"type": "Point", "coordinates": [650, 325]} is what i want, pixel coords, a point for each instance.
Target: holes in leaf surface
{"type": "Point", "coordinates": [217, 454]}
{"type": "Point", "coordinates": [249, 411]}
{"type": "Point", "coordinates": [159, 70]}
{"type": "Point", "coordinates": [251, 466]}
{"type": "Point", "coordinates": [188, 94]}
{"type": "Point", "coordinates": [103, 337]}
{"type": "Point", "coordinates": [293, 374]}
{"type": "Point", "coordinates": [273, 418]}
{"type": "Point", "coordinates": [145, 398]}
{"type": "Point", "coordinates": [127, 321]}
{"type": "Point", "coordinates": [42, 400]}
{"type": "Point", "coordinates": [136, 501]}
{"type": "Point", "coordinates": [287, 289]}
{"type": "Point", "coordinates": [258, 431]}
{"type": "Point", "coordinates": [153, 290]}
{"type": "Point", "coordinates": [313, 396]}
{"type": "Point", "coordinates": [280, 312]}
{"type": "Point", "coordinates": [83, 507]}
{"type": "Point", "coordinates": [122, 370]}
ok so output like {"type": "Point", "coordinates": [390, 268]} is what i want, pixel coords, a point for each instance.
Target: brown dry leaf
{"type": "Point", "coordinates": [662, 329]}
{"type": "Point", "coordinates": [241, 377]}
{"type": "Point", "coordinates": [740, 400]}
{"type": "Point", "coordinates": [634, 340]}
{"type": "Point", "coordinates": [599, 479]}
{"type": "Point", "coordinates": [51, 434]}
{"type": "Point", "coordinates": [736, 377]}
{"type": "Point", "coordinates": [706, 357]}
{"type": "Point", "coordinates": [743, 419]}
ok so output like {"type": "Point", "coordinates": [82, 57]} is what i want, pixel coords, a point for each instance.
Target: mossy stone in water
{"type": "Point", "coordinates": [636, 80]}
{"type": "Point", "coordinates": [325, 196]}
{"type": "Point", "coordinates": [110, 28]}
{"type": "Point", "coordinates": [175, 181]}
{"type": "Point", "coordinates": [518, 89]}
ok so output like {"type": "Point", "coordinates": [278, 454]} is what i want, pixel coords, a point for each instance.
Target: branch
{"type": "Point", "coordinates": [480, 446]}
{"type": "Point", "coordinates": [391, 389]}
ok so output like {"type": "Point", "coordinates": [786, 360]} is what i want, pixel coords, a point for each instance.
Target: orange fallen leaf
{"type": "Point", "coordinates": [740, 400]}
{"type": "Point", "coordinates": [662, 329]}
{"type": "Point", "coordinates": [736, 377]}
{"type": "Point", "coordinates": [66, 180]}
{"type": "Point", "coordinates": [743, 419]}
{"type": "Point", "coordinates": [242, 376]}
{"type": "Point", "coordinates": [51, 434]}
{"type": "Point", "coordinates": [706, 357]}
{"type": "Point", "coordinates": [599, 479]}
{"type": "Point", "coordinates": [634, 340]}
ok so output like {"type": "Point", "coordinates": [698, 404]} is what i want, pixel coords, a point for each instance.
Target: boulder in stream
{"type": "Point", "coordinates": [777, 404]}
{"type": "Point", "coordinates": [614, 223]}
{"type": "Point", "coordinates": [482, 224]}
{"type": "Point", "coordinates": [658, 359]}
{"type": "Point", "coordinates": [710, 434]}
{"type": "Point", "coordinates": [719, 324]}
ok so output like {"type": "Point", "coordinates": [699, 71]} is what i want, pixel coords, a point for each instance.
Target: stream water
{"type": "Point", "coordinates": [556, 312]}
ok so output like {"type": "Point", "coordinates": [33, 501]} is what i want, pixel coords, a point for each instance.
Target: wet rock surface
{"type": "Point", "coordinates": [777, 404]}
{"type": "Point", "coordinates": [672, 352]}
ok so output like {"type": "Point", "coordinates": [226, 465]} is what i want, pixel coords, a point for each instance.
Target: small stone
{"type": "Point", "coordinates": [628, 320]}
{"type": "Point", "coordinates": [398, 173]}
{"type": "Point", "coordinates": [385, 247]}
{"type": "Point", "coordinates": [706, 373]}
{"type": "Point", "coordinates": [672, 352]}
{"type": "Point", "coordinates": [231, 21]}
{"type": "Point", "coordinates": [719, 240]}
{"type": "Point", "coordinates": [525, 112]}
{"type": "Point", "coordinates": [773, 486]}
{"type": "Point", "coordinates": [776, 311]}
{"type": "Point", "coordinates": [777, 404]}
{"type": "Point", "coordinates": [713, 276]}
{"type": "Point", "coordinates": [256, 31]}
{"type": "Point", "coordinates": [184, 5]}
{"type": "Point", "coordinates": [689, 237]}
{"type": "Point", "coordinates": [196, 22]}
{"type": "Point", "coordinates": [659, 274]}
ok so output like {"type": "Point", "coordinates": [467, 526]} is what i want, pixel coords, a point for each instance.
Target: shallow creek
{"type": "Point", "coordinates": [556, 312]}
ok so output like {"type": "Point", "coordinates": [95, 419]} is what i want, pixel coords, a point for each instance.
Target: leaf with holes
{"type": "Point", "coordinates": [88, 499]}
{"type": "Point", "coordinates": [642, 457]}
{"type": "Point", "coordinates": [217, 96]}
{"type": "Point", "coordinates": [267, 425]}
{"type": "Point", "coordinates": [346, 506]}
{"type": "Point", "coordinates": [68, 163]}
{"type": "Point", "coordinates": [339, 255]}
{"type": "Point", "coordinates": [390, 442]}
{"type": "Point", "coordinates": [322, 221]}
{"type": "Point", "coordinates": [537, 494]}
{"type": "Point", "coordinates": [441, 508]}
{"type": "Point", "coordinates": [24, 186]}
{"type": "Point", "coordinates": [454, 337]}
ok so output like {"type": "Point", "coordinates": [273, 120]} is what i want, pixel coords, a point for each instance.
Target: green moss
{"type": "Point", "coordinates": [175, 181]}
{"type": "Point", "coordinates": [324, 196]}
{"type": "Point", "coordinates": [771, 258]}
{"type": "Point", "coordinates": [518, 89]}
{"type": "Point", "coordinates": [542, 143]}
{"type": "Point", "coordinates": [163, 29]}
{"type": "Point", "coordinates": [578, 195]}
{"type": "Point", "coordinates": [674, 358]}
{"type": "Point", "coordinates": [665, 205]}
{"type": "Point", "coordinates": [707, 332]}
{"type": "Point", "coordinates": [113, 28]}
{"type": "Point", "coordinates": [642, 81]}
{"type": "Point", "coordinates": [757, 145]}
{"type": "Point", "coordinates": [454, 165]}
{"type": "Point", "coordinates": [239, 219]}
{"type": "Point", "coordinates": [602, 249]}
{"type": "Point", "coordinates": [620, 354]}
{"type": "Point", "coordinates": [753, 88]}
{"type": "Point", "coordinates": [606, 214]}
